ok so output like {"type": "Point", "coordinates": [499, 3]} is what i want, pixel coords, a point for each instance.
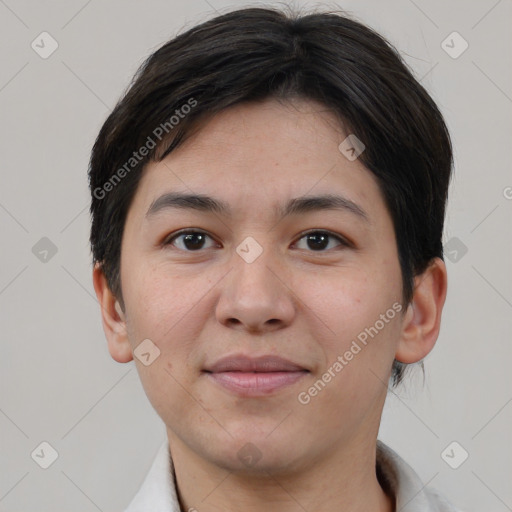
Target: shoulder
{"type": "Point", "coordinates": [158, 490]}
{"type": "Point", "coordinates": [411, 494]}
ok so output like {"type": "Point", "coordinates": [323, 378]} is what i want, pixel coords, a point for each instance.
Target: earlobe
{"type": "Point", "coordinates": [422, 321]}
{"type": "Point", "coordinates": [113, 319]}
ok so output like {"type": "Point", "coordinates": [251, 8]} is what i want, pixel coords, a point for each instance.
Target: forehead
{"type": "Point", "coordinates": [262, 155]}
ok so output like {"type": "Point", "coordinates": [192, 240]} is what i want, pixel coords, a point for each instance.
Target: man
{"type": "Point", "coordinates": [267, 208]}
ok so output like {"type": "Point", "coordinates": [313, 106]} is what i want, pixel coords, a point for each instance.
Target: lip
{"type": "Point", "coordinates": [244, 363]}
{"type": "Point", "coordinates": [254, 376]}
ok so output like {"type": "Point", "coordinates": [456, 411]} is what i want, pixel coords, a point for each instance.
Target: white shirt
{"type": "Point", "coordinates": [158, 493]}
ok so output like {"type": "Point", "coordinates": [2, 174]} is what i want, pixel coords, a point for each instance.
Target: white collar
{"type": "Point", "coordinates": [158, 492]}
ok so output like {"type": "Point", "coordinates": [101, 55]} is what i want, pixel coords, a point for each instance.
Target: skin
{"type": "Point", "coordinates": [303, 304]}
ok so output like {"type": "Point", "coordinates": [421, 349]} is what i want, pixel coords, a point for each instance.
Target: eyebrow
{"type": "Point", "coordinates": [298, 205]}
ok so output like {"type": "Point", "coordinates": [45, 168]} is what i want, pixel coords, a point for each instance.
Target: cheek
{"type": "Point", "coordinates": [353, 315]}
{"type": "Point", "coordinates": [340, 300]}
{"type": "Point", "coordinates": [357, 362]}
{"type": "Point", "coordinates": [170, 308]}
{"type": "Point", "coordinates": [162, 307]}
{"type": "Point", "coordinates": [153, 297]}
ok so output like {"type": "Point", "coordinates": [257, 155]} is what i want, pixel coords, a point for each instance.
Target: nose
{"type": "Point", "coordinates": [256, 296]}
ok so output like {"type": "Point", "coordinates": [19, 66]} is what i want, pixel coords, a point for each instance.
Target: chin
{"type": "Point", "coordinates": [257, 453]}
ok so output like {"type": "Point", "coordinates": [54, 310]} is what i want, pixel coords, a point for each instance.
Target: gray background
{"type": "Point", "coordinates": [57, 381]}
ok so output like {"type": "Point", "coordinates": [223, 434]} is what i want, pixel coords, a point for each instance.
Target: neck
{"type": "Point", "coordinates": [345, 479]}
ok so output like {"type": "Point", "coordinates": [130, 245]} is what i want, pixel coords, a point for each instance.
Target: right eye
{"type": "Point", "coordinates": [189, 240]}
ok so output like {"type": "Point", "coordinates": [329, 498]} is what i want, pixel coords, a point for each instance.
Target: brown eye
{"type": "Point", "coordinates": [189, 241]}
{"type": "Point", "coordinates": [318, 241]}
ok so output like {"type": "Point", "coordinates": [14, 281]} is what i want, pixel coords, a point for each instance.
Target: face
{"type": "Point", "coordinates": [263, 275]}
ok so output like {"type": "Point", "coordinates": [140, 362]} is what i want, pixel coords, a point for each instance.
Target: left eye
{"type": "Point", "coordinates": [319, 240]}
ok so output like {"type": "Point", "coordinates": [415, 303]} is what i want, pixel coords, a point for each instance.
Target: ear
{"type": "Point", "coordinates": [422, 320]}
{"type": "Point", "coordinates": [113, 318]}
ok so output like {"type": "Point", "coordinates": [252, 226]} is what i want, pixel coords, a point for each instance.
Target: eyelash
{"type": "Point", "coordinates": [343, 242]}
